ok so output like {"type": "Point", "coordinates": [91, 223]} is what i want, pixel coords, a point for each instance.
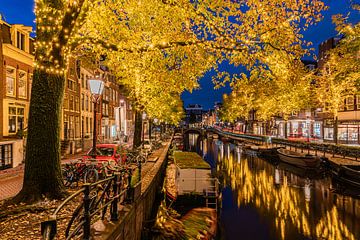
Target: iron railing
{"type": "Point", "coordinates": [98, 200]}
{"type": "Point", "coordinates": [316, 147]}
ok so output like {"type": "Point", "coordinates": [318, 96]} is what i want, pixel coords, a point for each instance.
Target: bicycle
{"type": "Point", "coordinates": [76, 171]}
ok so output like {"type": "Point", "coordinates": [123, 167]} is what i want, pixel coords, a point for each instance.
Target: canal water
{"type": "Point", "coordinates": [260, 200]}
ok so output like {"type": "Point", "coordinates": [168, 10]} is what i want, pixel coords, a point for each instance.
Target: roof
{"type": "Point", "coordinates": [185, 160]}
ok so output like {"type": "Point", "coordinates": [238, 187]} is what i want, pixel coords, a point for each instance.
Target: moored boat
{"type": "Point", "coordinates": [298, 159]}
{"type": "Point", "coordinates": [348, 174]}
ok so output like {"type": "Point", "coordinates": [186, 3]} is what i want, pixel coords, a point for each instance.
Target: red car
{"type": "Point", "coordinates": [106, 152]}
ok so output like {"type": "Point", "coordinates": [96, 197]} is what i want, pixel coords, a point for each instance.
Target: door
{"type": "Point", "coordinates": [6, 156]}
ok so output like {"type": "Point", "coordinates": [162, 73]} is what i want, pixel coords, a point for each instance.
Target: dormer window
{"type": "Point", "coordinates": [20, 40]}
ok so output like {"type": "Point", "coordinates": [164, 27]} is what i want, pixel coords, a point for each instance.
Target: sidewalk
{"type": "Point", "coordinates": [11, 179]}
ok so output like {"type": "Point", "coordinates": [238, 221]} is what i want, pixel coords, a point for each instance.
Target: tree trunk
{"type": "Point", "coordinates": [336, 122]}
{"type": "Point", "coordinates": [42, 161]}
{"type": "Point", "coordinates": [150, 125]}
{"type": "Point", "coordinates": [138, 129]}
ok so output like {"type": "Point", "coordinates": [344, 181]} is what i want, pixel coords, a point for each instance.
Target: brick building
{"type": "Point", "coordinates": [16, 58]}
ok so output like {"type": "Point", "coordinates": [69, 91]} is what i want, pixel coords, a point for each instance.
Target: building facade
{"type": "Point", "coordinates": [348, 119]}
{"type": "Point", "coordinates": [194, 114]}
{"type": "Point", "coordinates": [16, 56]}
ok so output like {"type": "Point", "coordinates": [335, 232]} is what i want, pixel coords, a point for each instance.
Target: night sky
{"type": "Point", "coordinates": [21, 11]}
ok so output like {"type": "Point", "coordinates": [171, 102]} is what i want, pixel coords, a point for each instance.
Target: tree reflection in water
{"type": "Point", "coordinates": [290, 202]}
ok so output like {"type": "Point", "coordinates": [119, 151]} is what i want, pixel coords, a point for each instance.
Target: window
{"type": "Point", "coordinates": [71, 104]}
{"type": "Point", "coordinates": [20, 41]}
{"type": "Point", "coordinates": [16, 119]}
{"type": "Point", "coordinates": [358, 102]}
{"type": "Point", "coordinates": [6, 156]}
{"type": "Point", "coordinates": [87, 103]}
{"type": "Point", "coordinates": [22, 84]}
{"type": "Point", "coordinates": [10, 81]}
{"type": "Point", "coordinates": [77, 106]}
{"type": "Point", "coordinates": [77, 127]}
{"type": "Point", "coordinates": [82, 102]}
{"type": "Point", "coordinates": [87, 124]}
{"type": "Point", "coordinates": [30, 83]}
{"type": "Point", "coordinates": [82, 81]}
{"type": "Point", "coordinates": [349, 103]}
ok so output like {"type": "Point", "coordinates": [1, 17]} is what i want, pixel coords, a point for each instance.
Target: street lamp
{"type": "Point", "coordinates": [96, 85]}
{"type": "Point", "coordinates": [155, 122]}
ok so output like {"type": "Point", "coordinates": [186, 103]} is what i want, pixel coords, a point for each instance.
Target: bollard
{"type": "Point", "coordinates": [87, 220]}
{"type": "Point", "coordinates": [114, 205]}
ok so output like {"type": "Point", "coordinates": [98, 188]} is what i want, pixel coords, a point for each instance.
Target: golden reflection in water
{"type": "Point", "coordinates": [330, 228]}
{"type": "Point", "coordinates": [269, 193]}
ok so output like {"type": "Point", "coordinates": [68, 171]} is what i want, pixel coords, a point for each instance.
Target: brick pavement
{"type": "Point", "coordinates": [11, 180]}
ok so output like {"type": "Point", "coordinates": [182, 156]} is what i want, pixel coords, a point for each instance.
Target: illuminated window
{"type": "Point", "coordinates": [16, 119]}
{"type": "Point", "coordinates": [22, 84]}
{"type": "Point", "coordinates": [10, 81]}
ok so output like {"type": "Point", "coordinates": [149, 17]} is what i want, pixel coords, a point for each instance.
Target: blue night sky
{"type": "Point", "coordinates": [21, 11]}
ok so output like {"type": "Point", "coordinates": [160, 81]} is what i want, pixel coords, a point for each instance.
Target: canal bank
{"type": "Point", "coordinates": [263, 201]}
{"type": "Point", "coordinates": [133, 217]}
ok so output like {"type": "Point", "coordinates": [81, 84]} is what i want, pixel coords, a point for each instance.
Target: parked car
{"type": "Point", "coordinates": [106, 152]}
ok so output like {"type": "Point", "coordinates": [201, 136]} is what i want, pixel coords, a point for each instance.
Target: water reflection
{"type": "Point", "coordinates": [285, 205]}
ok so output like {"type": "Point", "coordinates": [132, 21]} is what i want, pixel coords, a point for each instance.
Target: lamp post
{"type": "Point", "coordinates": [96, 85]}
{"type": "Point", "coordinates": [155, 122]}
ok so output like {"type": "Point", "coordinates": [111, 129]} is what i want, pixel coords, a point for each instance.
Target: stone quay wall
{"type": "Point", "coordinates": [133, 217]}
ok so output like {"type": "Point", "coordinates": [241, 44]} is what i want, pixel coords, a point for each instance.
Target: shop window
{"type": "Point", "coordinates": [317, 129]}
{"type": "Point", "coordinates": [10, 81]}
{"type": "Point", "coordinates": [329, 134]}
{"type": "Point", "coordinates": [16, 119]}
{"type": "Point", "coordinates": [22, 84]}
{"type": "Point", "coordinates": [349, 103]}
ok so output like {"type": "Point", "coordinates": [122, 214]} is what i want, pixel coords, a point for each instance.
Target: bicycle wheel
{"type": "Point", "coordinates": [91, 176]}
{"type": "Point", "coordinates": [68, 177]}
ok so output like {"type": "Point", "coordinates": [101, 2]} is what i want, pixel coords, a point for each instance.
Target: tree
{"type": "Point", "coordinates": [165, 42]}
{"type": "Point", "coordinates": [279, 87]}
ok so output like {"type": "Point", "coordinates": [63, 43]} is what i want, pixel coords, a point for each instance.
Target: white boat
{"type": "Point", "coordinates": [298, 159]}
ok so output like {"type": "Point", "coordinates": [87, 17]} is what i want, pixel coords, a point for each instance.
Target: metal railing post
{"type": "Point", "coordinates": [48, 229]}
{"type": "Point", "coordinates": [114, 205]}
{"type": "Point", "coordinates": [87, 220]}
{"type": "Point", "coordinates": [139, 169]}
